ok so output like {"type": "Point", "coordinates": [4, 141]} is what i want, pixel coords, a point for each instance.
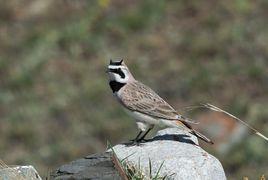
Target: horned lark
{"type": "Point", "coordinates": [143, 104]}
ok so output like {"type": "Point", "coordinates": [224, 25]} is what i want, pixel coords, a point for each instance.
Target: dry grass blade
{"type": "Point", "coordinates": [188, 120]}
{"type": "Point", "coordinates": [118, 164]}
{"type": "Point", "coordinates": [214, 108]}
{"type": "Point", "coordinates": [190, 108]}
{"type": "Point", "coordinates": [3, 165]}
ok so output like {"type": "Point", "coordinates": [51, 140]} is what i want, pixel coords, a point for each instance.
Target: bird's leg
{"type": "Point", "coordinates": [137, 137]}
{"type": "Point", "coordinates": [134, 142]}
{"type": "Point", "coordinates": [142, 138]}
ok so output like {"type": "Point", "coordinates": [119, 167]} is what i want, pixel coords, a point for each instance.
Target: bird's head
{"type": "Point", "coordinates": [119, 72]}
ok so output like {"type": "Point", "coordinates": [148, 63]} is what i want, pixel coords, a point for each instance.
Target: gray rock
{"type": "Point", "coordinates": [97, 166]}
{"type": "Point", "coordinates": [19, 172]}
{"type": "Point", "coordinates": [182, 157]}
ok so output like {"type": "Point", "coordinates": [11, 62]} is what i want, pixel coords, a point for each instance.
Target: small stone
{"type": "Point", "coordinates": [19, 172]}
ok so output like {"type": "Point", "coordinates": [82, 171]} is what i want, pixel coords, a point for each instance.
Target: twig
{"type": "Point", "coordinates": [214, 108]}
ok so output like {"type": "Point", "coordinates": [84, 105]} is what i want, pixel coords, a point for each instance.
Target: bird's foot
{"type": "Point", "coordinates": [137, 142]}
{"type": "Point", "coordinates": [143, 140]}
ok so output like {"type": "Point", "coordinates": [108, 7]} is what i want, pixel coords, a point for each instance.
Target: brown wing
{"type": "Point", "coordinates": [139, 97]}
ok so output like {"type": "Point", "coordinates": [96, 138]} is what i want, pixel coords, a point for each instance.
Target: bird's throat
{"type": "Point", "coordinates": [116, 86]}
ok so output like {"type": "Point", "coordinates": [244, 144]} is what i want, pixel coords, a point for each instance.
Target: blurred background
{"type": "Point", "coordinates": [55, 102]}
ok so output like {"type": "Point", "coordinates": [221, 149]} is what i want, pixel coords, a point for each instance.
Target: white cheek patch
{"type": "Point", "coordinates": [115, 67]}
{"type": "Point", "coordinates": [118, 78]}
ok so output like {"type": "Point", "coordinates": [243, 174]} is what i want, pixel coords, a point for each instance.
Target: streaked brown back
{"type": "Point", "coordinates": [139, 97]}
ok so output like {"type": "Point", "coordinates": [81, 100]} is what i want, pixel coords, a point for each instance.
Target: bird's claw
{"type": "Point", "coordinates": [137, 142]}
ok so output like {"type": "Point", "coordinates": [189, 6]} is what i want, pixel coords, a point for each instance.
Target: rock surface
{"type": "Point", "coordinates": [182, 157]}
{"type": "Point", "coordinates": [97, 166]}
{"type": "Point", "coordinates": [19, 172]}
{"type": "Point", "coordinates": [177, 151]}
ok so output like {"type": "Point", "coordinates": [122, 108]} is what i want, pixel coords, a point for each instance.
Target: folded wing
{"type": "Point", "coordinates": [139, 97]}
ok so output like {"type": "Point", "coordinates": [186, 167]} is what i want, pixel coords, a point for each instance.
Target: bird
{"type": "Point", "coordinates": [145, 105]}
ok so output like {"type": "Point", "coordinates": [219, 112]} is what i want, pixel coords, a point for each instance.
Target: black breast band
{"type": "Point", "coordinates": [116, 86]}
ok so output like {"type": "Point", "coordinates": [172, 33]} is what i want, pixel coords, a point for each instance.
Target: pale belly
{"type": "Point", "coordinates": [143, 118]}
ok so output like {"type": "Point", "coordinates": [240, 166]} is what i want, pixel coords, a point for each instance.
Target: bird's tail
{"type": "Point", "coordinates": [194, 132]}
{"type": "Point", "coordinates": [201, 136]}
